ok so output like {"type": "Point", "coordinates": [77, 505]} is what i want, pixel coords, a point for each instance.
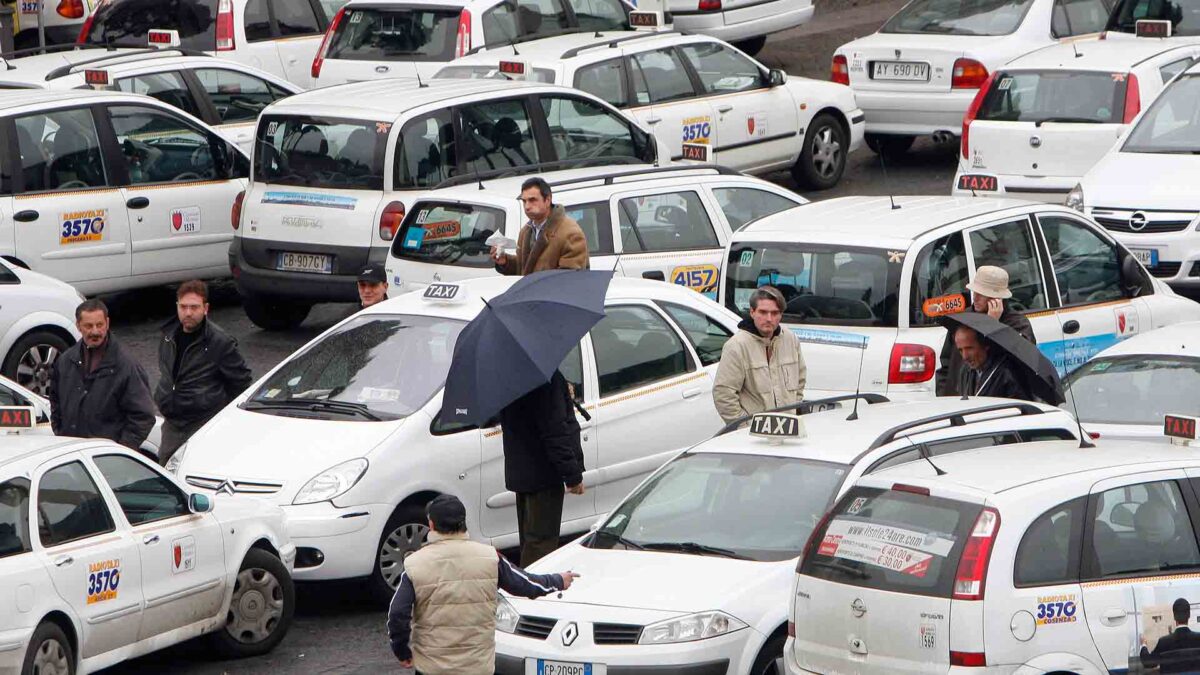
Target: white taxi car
{"type": "Point", "coordinates": [693, 89]}
{"type": "Point", "coordinates": [335, 170]}
{"type": "Point", "coordinates": [63, 19]}
{"type": "Point", "coordinates": [688, 573]}
{"type": "Point", "coordinates": [1034, 558]}
{"type": "Point", "coordinates": [14, 395]}
{"type": "Point", "coordinates": [867, 278]}
{"type": "Point", "coordinates": [920, 72]}
{"type": "Point", "coordinates": [109, 559]}
{"type": "Point", "coordinates": [1156, 216]}
{"type": "Point", "coordinates": [670, 223]}
{"type": "Point", "coordinates": [37, 322]}
{"type": "Point", "coordinates": [1044, 119]}
{"type": "Point", "coordinates": [347, 438]}
{"type": "Point", "coordinates": [111, 191]}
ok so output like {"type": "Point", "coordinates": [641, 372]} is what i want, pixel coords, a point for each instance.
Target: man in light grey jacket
{"type": "Point", "coordinates": [761, 366]}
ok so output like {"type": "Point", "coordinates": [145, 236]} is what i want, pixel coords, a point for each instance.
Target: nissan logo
{"type": "Point", "coordinates": [569, 634]}
{"type": "Point", "coordinates": [1035, 141]}
{"type": "Point", "coordinates": [1137, 222]}
{"type": "Point", "coordinates": [858, 607]}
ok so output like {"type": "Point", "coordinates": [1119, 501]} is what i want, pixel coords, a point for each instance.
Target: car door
{"type": "Point", "coordinates": [180, 190]}
{"type": "Point", "coordinates": [182, 553]}
{"type": "Point", "coordinates": [237, 98]}
{"type": "Point", "coordinates": [69, 214]}
{"type": "Point", "coordinates": [595, 219]}
{"type": "Point", "coordinates": [667, 234]}
{"type": "Point", "coordinates": [20, 567]}
{"type": "Point", "coordinates": [93, 563]}
{"type": "Point", "coordinates": [259, 48]}
{"type": "Point", "coordinates": [168, 86]}
{"type": "Point", "coordinates": [580, 128]}
{"type": "Point", "coordinates": [300, 28]}
{"type": "Point", "coordinates": [667, 102]}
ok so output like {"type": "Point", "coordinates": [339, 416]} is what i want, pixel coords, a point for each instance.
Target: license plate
{"type": "Point", "coordinates": [304, 262]}
{"type": "Point", "coordinates": [900, 70]}
{"type": "Point", "coordinates": [977, 183]}
{"type": "Point", "coordinates": [547, 667]}
{"type": "Point", "coordinates": [1146, 256]}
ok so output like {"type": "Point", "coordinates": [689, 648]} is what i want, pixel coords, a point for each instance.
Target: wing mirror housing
{"type": "Point", "coordinates": [198, 503]}
{"type": "Point", "coordinates": [776, 77]}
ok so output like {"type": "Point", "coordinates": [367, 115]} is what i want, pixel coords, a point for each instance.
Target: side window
{"type": "Point", "coordinates": [296, 17]}
{"type": "Point", "coordinates": [540, 18]}
{"type": "Point", "coordinates": [161, 148]}
{"type": "Point", "coordinates": [500, 24]}
{"type": "Point", "coordinates": [1086, 266]}
{"type": "Point", "coordinates": [722, 70]}
{"type": "Point", "coordinates": [258, 21]}
{"type": "Point", "coordinates": [935, 448]}
{"type": "Point", "coordinates": [60, 151]}
{"type": "Point", "coordinates": [1141, 529]}
{"type": "Point", "coordinates": [940, 269]}
{"type": "Point", "coordinates": [1174, 68]}
{"type": "Point", "coordinates": [580, 129]}
{"type": "Point", "coordinates": [667, 222]}
{"type": "Point", "coordinates": [1060, 26]}
{"type": "Point", "coordinates": [604, 80]}
{"type": "Point", "coordinates": [497, 135]}
{"type": "Point", "coordinates": [1049, 550]}
{"type": "Point", "coordinates": [659, 76]}
{"type": "Point", "coordinates": [600, 15]}
{"type": "Point", "coordinates": [69, 506]}
{"type": "Point", "coordinates": [596, 223]}
{"type": "Point", "coordinates": [743, 204]}
{"type": "Point", "coordinates": [635, 347]}
{"type": "Point", "coordinates": [572, 370]}
{"type": "Point", "coordinates": [144, 495]}
{"type": "Point", "coordinates": [1010, 246]}
{"type": "Point", "coordinates": [706, 335]}
{"type": "Point", "coordinates": [238, 97]}
{"type": "Point", "coordinates": [1081, 17]}
{"type": "Point", "coordinates": [426, 154]}
{"type": "Point", "coordinates": [14, 517]}
{"type": "Point", "coordinates": [168, 87]}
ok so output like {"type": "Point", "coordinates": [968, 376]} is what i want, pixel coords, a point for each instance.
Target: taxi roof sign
{"type": "Point", "coordinates": [16, 418]}
{"type": "Point", "coordinates": [443, 293]}
{"type": "Point", "coordinates": [95, 77]}
{"type": "Point", "coordinates": [777, 426]}
{"type": "Point", "coordinates": [1180, 428]}
{"type": "Point", "coordinates": [643, 20]}
{"type": "Point", "coordinates": [698, 152]}
{"type": "Point", "coordinates": [1152, 28]}
{"type": "Point", "coordinates": [163, 38]}
{"type": "Point", "coordinates": [513, 69]}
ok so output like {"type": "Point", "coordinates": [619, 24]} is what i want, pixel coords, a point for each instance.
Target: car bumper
{"type": "Point", "coordinates": [914, 113]}
{"type": "Point", "coordinates": [743, 24]}
{"type": "Point", "coordinates": [254, 278]}
{"type": "Point", "coordinates": [13, 645]}
{"type": "Point", "coordinates": [344, 538]}
{"type": "Point", "coordinates": [1178, 255]}
{"type": "Point", "coordinates": [517, 655]}
{"type": "Point", "coordinates": [1047, 189]}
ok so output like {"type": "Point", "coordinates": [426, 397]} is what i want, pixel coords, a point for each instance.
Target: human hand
{"type": "Point", "coordinates": [576, 489]}
{"type": "Point", "coordinates": [499, 256]}
{"type": "Point", "coordinates": [995, 308]}
{"type": "Point", "coordinates": [567, 578]}
{"type": "Point", "coordinates": [406, 663]}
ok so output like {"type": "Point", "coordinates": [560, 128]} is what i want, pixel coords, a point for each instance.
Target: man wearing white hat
{"type": "Point", "coordinates": [989, 290]}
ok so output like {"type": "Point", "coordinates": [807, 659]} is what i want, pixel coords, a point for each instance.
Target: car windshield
{"type": "Point", "coordinates": [1172, 124]}
{"type": "Point", "coordinates": [492, 72]}
{"type": "Point", "coordinates": [1134, 389]}
{"type": "Point", "coordinates": [320, 152]}
{"type": "Point", "coordinates": [959, 17]}
{"type": "Point", "coordinates": [125, 23]}
{"type": "Point", "coordinates": [376, 367]}
{"type": "Point", "coordinates": [448, 233]}
{"type": "Point", "coordinates": [1055, 96]}
{"type": "Point", "coordinates": [731, 505]}
{"type": "Point", "coordinates": [822, 284]}
{"type": "Point", "coordinates": [1184, 15]}
{"type": "Point", "coordinates": [402, 33]}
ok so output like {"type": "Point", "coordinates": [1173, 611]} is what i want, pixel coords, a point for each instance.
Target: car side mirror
{"type": "Point", "coordinates": [1133, 282]}
{"type": "Point", "coordinates": [198, 503]}
{"type": "Point", "coordinates": [776, 77]}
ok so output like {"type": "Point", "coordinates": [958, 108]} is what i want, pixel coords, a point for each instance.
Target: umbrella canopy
{"type": "Point", "coordinates": [519, 339]}
{"type": "Point", "coordinates": [1039, 373]}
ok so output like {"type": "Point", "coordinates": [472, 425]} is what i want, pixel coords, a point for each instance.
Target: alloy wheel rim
{"type": "Point", "coordinates": [396, 547]}
{"type": "Point", "coordinates": [51, 659]}
{"type": "Point", "coordinates": [826, 152]}
{"type": "Point", "coordinates": [33, 370]}
{"type": "Point", "coordinates": [257, 606]}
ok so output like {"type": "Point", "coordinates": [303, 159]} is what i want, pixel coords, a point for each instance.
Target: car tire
{"type": "Point", "coordinates": [890, 147]}
{"type": "Point", "coordinates": [49, 652]}
{"type": "Point", "coordinates": [752, 46]}
{"type": "Point", "coordinates": [260, 612]}
{"type": "Point", "coordinates": [402, 536]}
{"type": "Point", "coordinates": [769, 656]}
{"type": "Point", "coordinates": [35, 351]}
{"type": "Point", "coordinates": [823, 159]}
{"type": "Point", "coordinates": [275, 314]}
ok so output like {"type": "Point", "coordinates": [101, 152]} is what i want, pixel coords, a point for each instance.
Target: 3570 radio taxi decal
{"type": "Point", "coordinates": [697, 129]}
{"type": "Point", "coordinates": [104, 578]}
{"type": "Point", "coordinates": [82, 226]}
{"type": "Point", "coordinates": [700, 278]}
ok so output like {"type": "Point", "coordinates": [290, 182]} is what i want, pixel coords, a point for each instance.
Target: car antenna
{"type": "Point", "coordinates": [858, 380]}
{"type": "Point", "coordinates": [887, 183]}
{"type": "Point", "coordinates": [420, 84]}
{"type": "Point", "coordinates": [923, 451]}
{"type": "Point", "coordinates": [1076, 49]}
{"type": "Point", "coordinates": [1084, 440]}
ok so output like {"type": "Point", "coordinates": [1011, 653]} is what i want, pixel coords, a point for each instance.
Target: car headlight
{"type": "Point", "coordinates": [506, 615]}
{"type": "Point", "coordinates": [699, 626]}
{"type": "Point", "coordinates": [1075, 198]}
{"type": "Point", "coordinates": [331, 482]}
{"type": "Point", "coordinates": [176, 459]}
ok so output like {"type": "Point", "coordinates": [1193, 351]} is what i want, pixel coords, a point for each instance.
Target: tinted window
{"type": "Point", "coordinates": [1174, 68]}
{"type": "Point", "coordinates": [940, 270]}
{"type": "Point", "coordinates": [444, 233]}
{"type": "Point", "coordinates": [296, 17]}
{"type": "Point", "coordinates": [70, 506]}
{"type": "Point", "coordinates": [705, 334]}
{"type": "Point", "coordinates": [238, 97]}
{"type": "Point", "coordinates": [1141, 529]}
{"type": "Point", "coordinates": [596, 224]}
{"type": "Point", "coordinates": [959, 17]}
{"type": "Point", "coordinates": [1086, 266]}
{"type": "Point", "coordinates": [665, 222]}
{"type": "Point", "coordinates": [600, 15]}
{"type": "Point", "coordinates": [412, 34]}
{"type": "Point", "coordinates": [1065, 96]}
{"type": "Point", "coordinates": [161, 148]}
{"type": "Point", "coordinates": [1134, 389]}
{"type": "Point", "coordinates": [14, 517]}
{"type": "Point", "coordinates": [1077, 17]}
{"type": "Point", "coordinates": [125, 23]}
{"type": "Point", "coordinates": [743, 204]}
{"type": "Point", "coordinates": [60, 151]}
{"type": "Point", "coordinates": [167, 87]}
{"type": "Point", "coordinates": [634, 347]}
{"type": "Point", "coordinates": [1009, 246]}
{"type": "Point", "coordinates": [581, 129]}
{"type": "Point", "coordinates": [320, 151]}
{"type": "Point", "coordinates": [426, 156]}
{"type": "Point", "coordinates": [604, 80]}
{"type": "Point", "coordinates": [659, 76]}
{"type": "Point", "coordinates": [1184, 15]}
{"type": "Point", "coordinates": [144, 495]}
{"type": "Point", "coordinates": [524, 20]}
{"type": "Point", "coordinates": [1172, 124]}
{"type": "Point", "coordinates": [258, 21]}
{"type": "Point", "coordinates": [721, 69]}
{"type": "Point", "coordinates": [497, 135]}
{"type": "Point", "coordinates": [1049, 549]}
{"type": "Point", "coordinates": [932, 449]}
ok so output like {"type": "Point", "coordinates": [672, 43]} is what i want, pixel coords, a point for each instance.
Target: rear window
{"type": "Point", "coordinates": [408, 34]}
{"type": "Point", "coordinates": [445, 233]}
{"type": "Point", "coordinates": [822, 284]}
{"type": "Point", "coordinates": [1055, 96]}
{"type": "Point", "coordinates": [890, 540]}
{"type": "Point", "coordinates": [320, 152]}
{"type": "Point", "coordinates": [1183, 14]}
{"type": "Point", "coordinates": [959, 17]}
{"type": "Point", "coordinates": [125, 23]}
{"type": "Point", "coordinates": [493, 72]}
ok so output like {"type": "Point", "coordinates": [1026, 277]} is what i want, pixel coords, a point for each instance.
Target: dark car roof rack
{"type": "Point", "coordinates": [804, 408]}
{"type": "Point", "coordinates": [63, 71]}
{"type": "Point", "coordinates": [641, 35]}
{"type": "Point", "coordinates": [557, 165]}
{"type": "Point", "coordinates": [674, 168]}
{"type": "Point", "coordinates": [956, 419]}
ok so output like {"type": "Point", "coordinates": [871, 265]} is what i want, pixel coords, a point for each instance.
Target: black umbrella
{"type": "Point", "coordinates": [1039, 372]}
{"type": "Point", "coordinates": [519, 339]}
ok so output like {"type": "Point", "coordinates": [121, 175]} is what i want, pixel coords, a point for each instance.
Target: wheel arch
{"type": "Point", "coordinates": [838, 115]}
{"type": "Point", "coordinates": [60, 619]}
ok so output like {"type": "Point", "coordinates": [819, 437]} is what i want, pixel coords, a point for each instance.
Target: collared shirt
{"type": "Point", "coordinates": [538, 228]}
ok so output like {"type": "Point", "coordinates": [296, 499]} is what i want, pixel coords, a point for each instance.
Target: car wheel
{"type": "Point", "coordinates": [403, 535]}
{"type": "Point", "coordinates": [273, 313]}
{"type": "Point", "coordinates": [889, 146]}
{"type": "Point", "coordinates": [770, 657]}
{"type": "Point", "coordinates": [260, 611]}
{"type": "Point", "coordinates": [753, 45]}
{"type": "Point", "coordinates": [31, 358]}
{"type": "Point", "coordinates": [823, 158]}
{"type": "Point", "coordinates": [49, 652]}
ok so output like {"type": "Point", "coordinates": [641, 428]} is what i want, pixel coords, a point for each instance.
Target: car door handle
{"type": "Point", "coordinates": [1113, 617]}
{"type": "Point", "coordinates": [150, 539]}
{"type": "Point", "coordinates": [26, 216]}
{"type": "Point", "coordinates": [653, 120]}
{"type": "Point", "coordinates": [724, 108]}
{"type": "Point", "coordinates": [654, 275]}
{"type": "Point", "coordinates": [63, 561]}
{"type": "Point", "coordinates": [692, 393]}
{"type": "Point", "coordinates": [1071, 327]}
{"type": "Point", "coordinates": [137, 203]}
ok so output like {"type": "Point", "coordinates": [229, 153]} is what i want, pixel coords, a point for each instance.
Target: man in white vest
{"type": "Point", "coordinates": [442, 620]}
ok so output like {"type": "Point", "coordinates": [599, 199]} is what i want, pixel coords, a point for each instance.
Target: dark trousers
{"type": "Point", "coordinates": [175, 434]}
{"type": "Point", "coordinates": [539, 517]}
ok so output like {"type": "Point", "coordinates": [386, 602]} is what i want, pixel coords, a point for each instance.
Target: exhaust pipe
{"type": "Point", "coordinates": [943, 136]}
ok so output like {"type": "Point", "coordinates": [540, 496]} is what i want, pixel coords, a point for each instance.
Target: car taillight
{"type": "Point", "coordinates": [973, 565]}
{"type": "Point", "coordinates": [87, 25]}
{"type": "Point", "coordinates": [319, 59]}
{"type": "Point", "coordinates": [968, 74]}
{"type": "Point", "coordinates": [1133, 98]}
{"type": "Point", "coordinates": [389, 222]}
{"type": "Point", "coordinates": [968, 659]}
{"type": "Point", "coordinates": [464, 32]}
{"type": "Point", "coordinates": [911, 489]}
{"type": "Point", "coordinates": [972, 112]}
{"type": "Point", "coordinates": [235, 214]}
{"type": "Point", "coordinates": [841, 71]}
{"type": "Point", "coordinates": [911, 364]}
{"type": "Point", "coordinates": [225, 26]}
{"type": "Point", "coordinates": [812, 538]}
{"type": "Point", "coordinates": [710, 5]}
{"type": "Point", "coordinates": [70, 9]}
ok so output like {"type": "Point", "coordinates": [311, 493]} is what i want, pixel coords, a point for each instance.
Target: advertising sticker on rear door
{"type": "Point", "coordinates": [894, 548]}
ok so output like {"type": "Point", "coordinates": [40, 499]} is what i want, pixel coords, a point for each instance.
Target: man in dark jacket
{"type": "Point", "coordinates": [97, 390]}
{"type": "Point", "coordinates": [987, 371]}
{"type": "Point", "coordinates": [199, 366]}
{"type": "Point", "coordinates": [989, 290]}
{"type": "Point", "coordinates": [1178, 651]}
{"type": "Point", "coordinates": [542, 454]}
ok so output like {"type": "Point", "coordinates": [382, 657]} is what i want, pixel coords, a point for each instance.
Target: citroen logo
{"type": "Point", "coordinates": [1035, 141]}
{"type": "Point", "coordinates": [225, 487]}
{"type": "Point", "coordinates": [1137, 222]}
{"type": "Point", "coordinates": [569, 634]}
{"type": "Point", "coordinates": [858, 607]}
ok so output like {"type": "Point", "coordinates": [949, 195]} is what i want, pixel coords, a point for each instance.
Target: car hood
{"type": "Point", "coordinates": [1168, 181]}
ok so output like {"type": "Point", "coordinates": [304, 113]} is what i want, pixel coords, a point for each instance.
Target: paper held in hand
{"type": "Point", "coordinates": [506, 244]}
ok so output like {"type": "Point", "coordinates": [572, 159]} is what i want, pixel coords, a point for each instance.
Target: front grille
{"type": "Point", "coordinates": [1157, 222]}
{"type": "Point", "coordinates": [1165, 270]}
{"type": "Point", "coordinates": [615, 633]}
{"type": "Point", "coordinates": [244, 487]}
{"type": "Point", "coordinates": [536, 627]}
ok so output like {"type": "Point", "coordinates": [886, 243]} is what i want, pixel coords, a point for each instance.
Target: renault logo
{"type": "Point", "coordinates": [858, 607]}
{"type": "Point", "coordinates": [1137, 222]}
{"type": "Point", "coordinates": [1035, 141]}
{"type": "Point", "coordinates": [225, 487]}
{"type": "Point", "coordinates": [569, 634]}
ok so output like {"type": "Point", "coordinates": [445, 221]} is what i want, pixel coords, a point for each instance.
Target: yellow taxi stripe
{"type": "Point", "coordinates": [1077, 308]}
{"type": "Point", "coordinates": [1140, 580]}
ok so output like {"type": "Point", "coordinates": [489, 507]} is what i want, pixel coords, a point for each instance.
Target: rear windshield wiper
{"type": "Point", "coordinates": [1072, 120]}
{"type": "Point", "coordinates": [693, 547]}
{"type": "Point", "coordinates": [848, 571]}
{"type": "Point", "coordinates": [316, 405]}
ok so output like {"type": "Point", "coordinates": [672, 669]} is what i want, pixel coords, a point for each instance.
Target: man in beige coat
{"type": "Point", "coordinates": [442, 620]}
{"type": "Point", "coordinates": [761, 366]}
{"type": "Point", "coordinates": [551, 240]}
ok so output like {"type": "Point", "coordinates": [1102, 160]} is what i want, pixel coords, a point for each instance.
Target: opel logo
{"type": "Point", "coordinates": [1035, 141]}
{"type": "Point", "coordinates": [382, 69]}
{"type": "Point", "coordinates": [858, 607]}
{"type": "Point", "coordinates": [225, 487]}
{"type": "Point", "coordinates": [569, 634]}
{"type": "Point", "coordinates": [1137, 222]}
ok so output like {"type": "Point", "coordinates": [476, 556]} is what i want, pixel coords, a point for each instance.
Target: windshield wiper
{"type": "Point", "coordinates": [620, 540]}
{"type": "Point", "coordinates": [849, 571]}
{"type": "Point", "coordinates": [1073, 120]}
{"type": "Point", "coordinates": [692, 547]}
{"type": "Point", "coordinates": [316, 405]}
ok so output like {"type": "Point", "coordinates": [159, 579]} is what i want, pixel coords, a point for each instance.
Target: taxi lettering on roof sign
{"type": "Point", "coordinates": [643, 19]}
{"type": "Point", "coordinates": [695, 151]}
{"type": "Point", "coordinates": [96, 78]}
{"type": "Point", "coordinates": [441, 291]}
{"type": "Point", "coordinates": [776, 426]}
{"type": "Point", "coordinates": [1152, 28]}
{"type": "Point", "coordinates": [163, 38]}
{"type": "Point", "coordinates": [82, 226]}
{"type": "Point", "coordinates": [512, 68]}
{"type": "Point", "coordinates": [1180, 426]}
{"type": "Point", "coordinates": [16, 417]}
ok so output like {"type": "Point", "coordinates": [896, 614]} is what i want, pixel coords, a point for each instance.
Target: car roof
{"type": "Point", "coordinates": [19, 447]}
{"type": "Point", "coordinates": [370, 4]}
{"type": "Point", "coordinates": [1098, 55]}
{"type": "Point", "coordinates": [36, 67]}
{"type": "Point", "coordinates": [625, 177]}
{"type": "Point", "coordinates": [18, 98]}
{"type": "Point", "coordinates": [390, 98]}
{"type": "Point", "coordinates": [1176, 340]}
{"type": "Point", "coordinates": [586, 44]}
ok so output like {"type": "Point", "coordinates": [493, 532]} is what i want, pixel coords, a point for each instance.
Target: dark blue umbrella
{"type": "Point", "coordinates": [519, 339]}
